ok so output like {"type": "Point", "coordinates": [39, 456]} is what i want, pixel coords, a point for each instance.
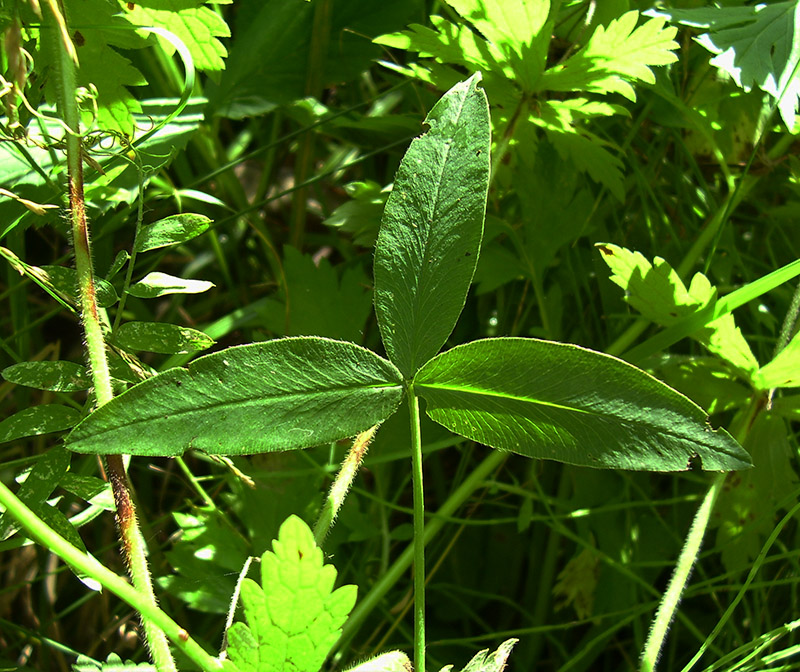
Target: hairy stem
{"type": "Point", "coordinates": [87, 565]}
{"type": "Point", "coordinates": [341, 485]}
{"type": "Point", "coordinates": [691, 548]}
{"type": "Point", "coordinates": [133, 547]}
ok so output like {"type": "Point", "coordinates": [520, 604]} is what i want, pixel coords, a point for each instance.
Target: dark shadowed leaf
{"type": "Point", "coordinates": [169, 339]}
{"type": "Point", "coordinates": [569, 404]}
{"type": "Point", "coordinates": [276, 395]}
{"type": "Point", "coordinates": [432, 226]}
{"type": "Point", "coordinates": [57, 376]}
{"type": "Point", "coordinates": [37, 420]}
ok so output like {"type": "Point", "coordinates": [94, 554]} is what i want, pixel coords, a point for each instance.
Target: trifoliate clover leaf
{"type": "Point", "coordinates": [295, 616]}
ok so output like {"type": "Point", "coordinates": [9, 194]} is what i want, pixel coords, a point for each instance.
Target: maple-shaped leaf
{"type": "Point", "coordinates": [614, 57]}
{"type": "Point", "coordinates": [295, 616]}
{"type": "Point", "coordinates": [197, 26]}
{"type": "Point", "coordinates": [656, 291]}
{"type": "Point", "coordinates": [756, 45]}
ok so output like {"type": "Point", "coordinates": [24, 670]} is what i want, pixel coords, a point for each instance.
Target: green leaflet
{"type": "Point", "coordinates": [43, 478]}
{"type": "Point", "coordinates": [432, 227]}
{"type": "Point", "coordinates": [295, 616]}
{"type": "Point", "coordinates": [566, 403]}
{"type": "Point", "coordinates": [171, 231]}
{"type": "Point", "coordinates": [159, 284]}
{"type": "Point", "coordinates": [57, 376]}
{"type": "Point", "coordinates": [276, 395]}
{"type": "Point", "coordinates": [37, 420]}
{"type": "Point", "coordinates": [169, 339]}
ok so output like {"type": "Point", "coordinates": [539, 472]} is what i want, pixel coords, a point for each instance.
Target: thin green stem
{"type": "Point", "coordinates": [683, 568]}
{"type": "Point", "coordinates": [691, 548]}
{"type": "Point", "coordinates": [437, 521]}
{"type": "Point", "coordinates": [341, 484]}
{"type": "Point", "coordinates": [419, 532]}
{"type": "Point", "coordinates": [88, 565]}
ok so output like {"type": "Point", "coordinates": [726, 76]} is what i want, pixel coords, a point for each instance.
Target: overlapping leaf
{"type": "Point", "coordinates": [276, 395]}
{"type": "Point", "coordinates": [615, 57]}
{"type": "Point", "coordinates": [569, 404]}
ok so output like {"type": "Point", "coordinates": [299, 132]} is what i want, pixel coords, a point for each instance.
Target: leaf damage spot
{"type": "Point", "coordinates": [606, 250]}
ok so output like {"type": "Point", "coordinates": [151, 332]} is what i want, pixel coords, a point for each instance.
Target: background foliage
{"type": "Point", "coordinates": [609, 127]}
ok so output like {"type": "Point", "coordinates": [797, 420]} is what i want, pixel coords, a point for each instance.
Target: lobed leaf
{"type": "Point", "coordinates": [484, 661]}
{"type": "Point", "coordinates": [616, 56]}
{"type": "Point", "coordinates": [566, 403]}
{"type": "Point", "coordinates": [276, 395]}
{"type": "Point", "coordinates": [431, 232]}
{"type": "Point", "coordinates": [295, 616]}
{"type": "Point", "coordinates": [783, 371]}
{"type": "Point", "coordinates": [755, 45]}
{"type": "Point", "coordinates": [197, 26]}
{"type": "Point", "coordinates": [656, 291]}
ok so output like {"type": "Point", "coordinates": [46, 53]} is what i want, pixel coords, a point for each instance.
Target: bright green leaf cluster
{"type": "Point", "coordinates": [295, 616]}
{"type": "Point", "coordinates": [509, 41]}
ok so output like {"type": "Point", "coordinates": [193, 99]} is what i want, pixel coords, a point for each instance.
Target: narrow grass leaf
{"type": "Point", "coordinates": [295, 616]}
{"type": "Point", "coordinates": [168, 339]}
{"type": "Point", "coordinates": [566, 403]}
{"type": "Point", "coordinates": [432, 227]}
{"type": "Point", "coordinates": [276, 395]}
{"type": "Point", "coordinates": [56, 376]}
{"type": "Point", "coordinates": [171, 231]}
{"type": "Point", "coordinates": [158, 284]}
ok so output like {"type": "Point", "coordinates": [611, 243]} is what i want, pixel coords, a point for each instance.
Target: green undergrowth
{"type": "Point", "coordinates": [461, 333]}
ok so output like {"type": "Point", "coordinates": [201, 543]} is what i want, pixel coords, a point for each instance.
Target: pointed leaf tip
{"type": "Point", "coordinates": [567, 403]}
{"type": "Point", "coordinates": [432, 227]}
